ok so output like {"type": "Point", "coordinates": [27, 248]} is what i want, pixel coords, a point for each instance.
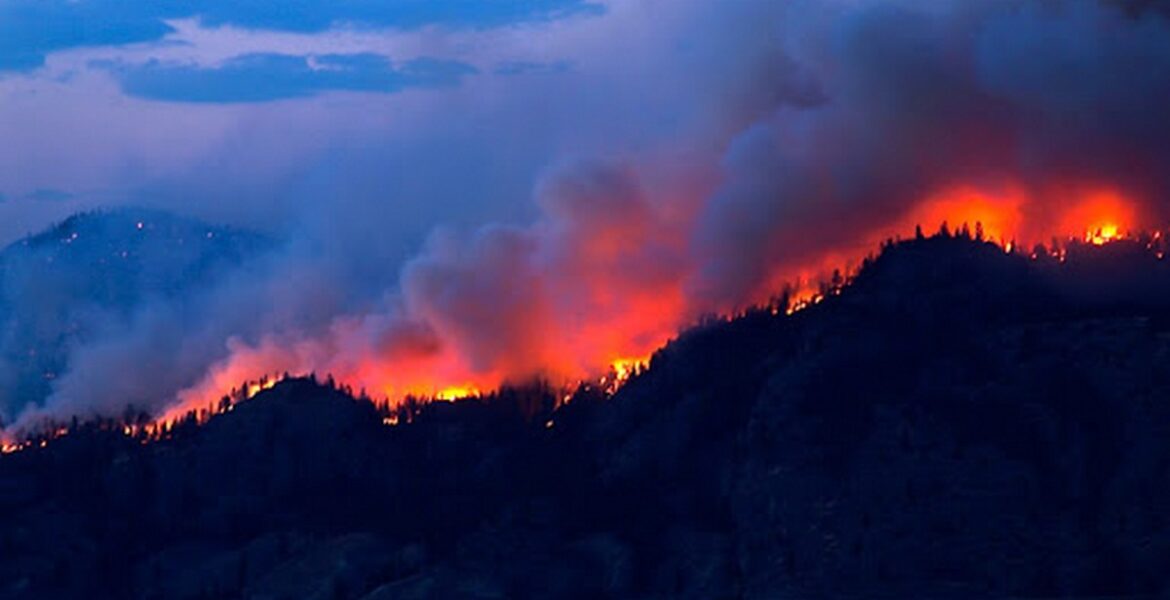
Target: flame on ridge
{"type": "Point", "coordinates": [1008, 216]}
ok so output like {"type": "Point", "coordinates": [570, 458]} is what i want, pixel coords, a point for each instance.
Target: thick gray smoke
{"type": "Point", "coordinates": [740, 145]}
{"type": "Point", "coordinates": [916, 97]}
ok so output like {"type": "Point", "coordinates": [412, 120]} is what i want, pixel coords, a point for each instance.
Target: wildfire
{"type": "Point", "coordinates": [9, 445]}
{"type": "Point", "coordinates": [198, 412]}
{"type": "Point", "coordinates": [803, 301]}
{"type": "Point", "coordinates": [453, 393]}
{"type": "Point", "coordinates": [995, 215]}
{"type": "Point", "coordinates": [640, 320]}
{"type": "Point", "coordinates": [620, 371]}
{"type": "Point", "coordinates": [1103, 216]}
{"type": "Point", "coordinates": [1103, 234]}
{"type": "Point", "coordinates": [255, 388]}
{"type": "Point", "coordinates": [624, 368]}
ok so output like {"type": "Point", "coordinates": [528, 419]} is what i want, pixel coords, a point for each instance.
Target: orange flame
{"type": "Point", "coordinates": [997, 214]}
{"type": "Point", "coordinates": [637, 320]}
{"type": "Point", "coordinates": [630, 318]}
{"type": "Point", "coordinates": [449, 394]}
{"type": "Point", "coordinates": [1102, 217]}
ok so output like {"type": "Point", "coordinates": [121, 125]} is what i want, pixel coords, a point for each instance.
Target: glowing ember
{"type": "Point", "coordinates": [804, 301]}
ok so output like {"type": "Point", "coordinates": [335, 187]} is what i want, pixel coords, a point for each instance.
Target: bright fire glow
{"type": "Point", "coordinates": [997, 213]}
{"type": "Point", "coordinates": [457, 392]}
{"type": "Point", "coordinates": [205, 406]}
{"type": "Point", "coordinates": [611, 324]}
{"type": "Point", "coordinates": [1100, 217]}
{"type": "Point", "coordinates": [256, 388]}
{"type": "Point", "coordinates": [624, 368]}
{"type": "Point", "coordinates": [1105, 233]}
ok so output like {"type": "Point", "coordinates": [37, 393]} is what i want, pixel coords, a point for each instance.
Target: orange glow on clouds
{"type": "Point", "coordinates": [1092, 214]}
{"type": "Point", "coordinates": [574, 302]}
{"type": "Point", "coordinates": [1101, 217]}
{"type": "Point", "coordinates": [613, 321]}
{"type": "Point", "coordinates": [999, 213]}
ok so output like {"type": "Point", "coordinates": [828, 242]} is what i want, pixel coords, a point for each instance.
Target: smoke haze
{"type": "Point", "coordinates": [652, 163]}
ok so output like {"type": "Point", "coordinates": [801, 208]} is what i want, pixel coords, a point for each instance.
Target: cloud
{"type": "Point", "coordinates": [310, 15]}
{"type": "Point", "coordinates": [267, 77]}
{"type": "Point", "coordinates": [32, 29]}
{"type": "Point", "coordinates": [530, 67]}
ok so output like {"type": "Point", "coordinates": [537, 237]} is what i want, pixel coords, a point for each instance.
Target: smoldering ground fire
{"type": "Point", "coordinates": [875, 119]}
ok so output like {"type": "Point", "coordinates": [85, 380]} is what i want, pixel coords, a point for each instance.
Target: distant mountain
{"type": "Point", "coordinates": [87, 275]}
{"type": "Point", "coordinates": [956, 422]}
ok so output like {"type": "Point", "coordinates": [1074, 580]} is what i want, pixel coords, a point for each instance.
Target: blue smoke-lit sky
{"type": "Point", "coordinates": [286, 114]}
{"type": "Point", "coordinates": [482, 181]}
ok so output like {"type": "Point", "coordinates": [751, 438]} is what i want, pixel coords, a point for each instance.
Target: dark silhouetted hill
{"type": "Point", "coordinates": [88, 275]}
{"type": "Point", "coordinates": [956, 422]}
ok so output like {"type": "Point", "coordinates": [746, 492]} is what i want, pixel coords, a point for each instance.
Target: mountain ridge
{"type": "Point", "coordinates": [87, 275]}
{"type": "Point", "coordinates": [957, 421]}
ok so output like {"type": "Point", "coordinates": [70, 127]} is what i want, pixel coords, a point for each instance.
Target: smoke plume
{"type": "Point", "coordinates": [800, 135]}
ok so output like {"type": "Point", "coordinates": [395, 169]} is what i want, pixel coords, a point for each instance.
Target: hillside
{"type": "Point", "coordinates": [88, 275]}
{"type": "Point", "coordinates": [956, 422]}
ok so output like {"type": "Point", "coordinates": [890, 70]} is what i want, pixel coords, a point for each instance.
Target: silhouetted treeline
{"type": "Point", "coordinates": [955, 421]}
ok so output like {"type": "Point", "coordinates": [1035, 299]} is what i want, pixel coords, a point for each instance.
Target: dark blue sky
{"type": "Point", "coordinates": [32, 29]}
{"type": "Point", "coordinates": [256, 113]}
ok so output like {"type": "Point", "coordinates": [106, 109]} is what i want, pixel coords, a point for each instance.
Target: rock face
{"type": "Point", "coordinates": [957, 422]}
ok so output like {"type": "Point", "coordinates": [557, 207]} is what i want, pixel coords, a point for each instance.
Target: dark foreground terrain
{"type": "Point", "coordinates": [957, 422]}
